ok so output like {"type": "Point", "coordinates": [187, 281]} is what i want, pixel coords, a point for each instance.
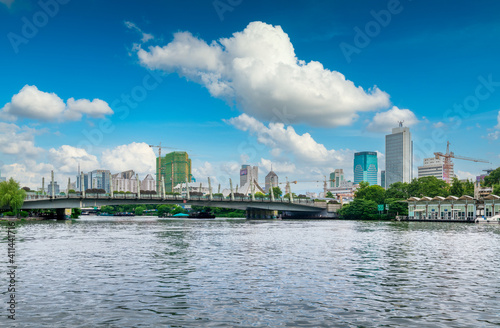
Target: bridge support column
{"type": "Point", "coordinates": [260, 214]}
{"type": "Point", "coordinates": [63, 213]}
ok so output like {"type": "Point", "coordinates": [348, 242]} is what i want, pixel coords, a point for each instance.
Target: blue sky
{"type": "Point", "coordinates": [292, 83]}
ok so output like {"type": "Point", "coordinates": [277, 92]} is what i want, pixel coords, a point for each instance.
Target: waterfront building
{"type": "Point", "coordinates": [382, 179]}
{"type": "Point", "coordinates": [270, 181]}
{"type": "Point", "coordinates": [57, 190]}
{"type": "Point", "coordinates": [175, 169]}
{"type": "Point", "coordinates": [398, 156]}
{"type": "Point", "coordinates": [336, 178]}
{"type": "Point", "coordinates": [465, 208]}
{"type": "Point", "coordinates": [365, 167]}
{"type": "Point", "coordinates": [434, 167]}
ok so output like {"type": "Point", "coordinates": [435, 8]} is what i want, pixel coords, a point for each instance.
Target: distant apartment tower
{"type": "Point", "coordinates": [100, 179]}
{"type": "Point", "coordinates": [124, 181]}
{"type": "Point", "coordinates": [382, 179]}
{"type": "Point", "coordinates": [365, 167]}
{"type": "Point", "coordinates": [175, 168]}
{"type": "Point", "coordinates": [247, 173]}
{"type": "Point", "coordinates": [57, 189]}
{"type": "Point", "coordinates": [434, 167]}
{"type": "Point", "coordinates": [398, 156]}
{"type": "Point", "coordinates": [336, 178]}
{"type": "Point", "coordinates": [149, 183]}
{"type": "Point", "coordinates": [271, 181]}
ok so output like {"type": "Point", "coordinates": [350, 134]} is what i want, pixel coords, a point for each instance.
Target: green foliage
{"type": "Point", "coordinates": [277, 192]}
{"type": "Point", "coordinates": [259, 195]}
{"type": "Point", "coordinates": [75, 213]}
{"type": "Point", "coordinates": [428, 186]}
{"type": "Point", "coordinates": [12, 195]}
{"type": "Point", "coordinates": [329, 195]}
{"type": "Point", "coordinates": [396, 207]}
{"type": "Point", "coordinates": [459, 188]}
{"type": "Point", "coordinates": [71, 191]}
{"type": "Point", "coordinates": [492, 179]}
{"type": "Point", "coordinates": [398, 190]}
{"type": "Point", "coordinates": [139, 210]}
{"type": "Point", "coordinates": [287, 196]}
{"type": "Point", "coordinates": [24, 214]}
{"type": "Point", "coordinates": [496, 189]}
{"type": "Point", "coordinates": [359, 208]}
{"type": "Point", "coordinates": [164, 209]}
{"type": "Point", "coordinates": [177, 210]}
{"type": "Point", "coordinates": [375, 193]}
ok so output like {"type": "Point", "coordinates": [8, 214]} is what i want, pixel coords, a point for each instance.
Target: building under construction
{"type": "Point", "coordinates": [174, 168]}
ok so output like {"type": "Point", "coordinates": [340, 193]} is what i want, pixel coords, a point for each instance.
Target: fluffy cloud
{"type": "Point", "coordinates": [385, 121]}
{"type": "Point", "coordinates": [498, 121]}
{"type": "Point", "coordinates": [18, 141]}
{"type": "Point", "coordinates": [277, 167]}
{"type": "Point", "coordinates": [29, 173]}
{"type": "Point", "coordinates": [32, 103]}
{"type": "Point", "coordinates": [258, 69]}
{"type": "Point", "coordinates": [283, 139]}
{"type": "Point", "coordinates": [135, 156]}
{"type": "Point", "coordinates": [67, 159]}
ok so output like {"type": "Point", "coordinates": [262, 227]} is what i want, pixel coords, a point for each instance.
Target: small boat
{"type": "Point", "coordinates": [201, 215]}
{"type": "Point", "coordinates": [493, 219]}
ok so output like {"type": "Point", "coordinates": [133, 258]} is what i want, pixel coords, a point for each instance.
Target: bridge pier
{"type": "Point", "coordinates": [63, 213]}
{"type": "Point", "coordinates": [260, 214]}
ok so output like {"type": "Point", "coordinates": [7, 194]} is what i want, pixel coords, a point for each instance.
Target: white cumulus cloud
{"type": "Point", "coordinates": [258, 70]}
{"type": "Point", "coordinates": [67, 158]}
{"type": "Point", "coordinates": [32, 103]}
{"type": "Point", "coordinates": [19, 141]}
{"type": "Point", "coordinates": [135, 156]}
{"type": "Point", "coordinates": [385, 121]}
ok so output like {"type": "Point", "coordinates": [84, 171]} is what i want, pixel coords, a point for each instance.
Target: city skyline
{"type": "Point", "coordinates": [297, 86]}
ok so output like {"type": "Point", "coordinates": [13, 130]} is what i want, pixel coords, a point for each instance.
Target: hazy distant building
{"type": "Point", "coordinates": [149, 183]}
{"type": "Point", "coordinates": [100, 179]}
{"type": "Point", "coordinates": [382, 179]}
{"type": "Point", "coordinates": [247, 173]}
{"type": "Point", "coordinates": [398, 156]}
{"type": "Point", "coordinates": [336, 178]}
{"type": "Point", "coordinates": [434, 167]}
{"type": "Point", "coordinates": [366, 167]}
{"type": "Point", "coordinates": [57, 190]}
{"type": "Point", "coordinates": [124, 181]}
{"type": "Point", "coordinates": [271, 181]}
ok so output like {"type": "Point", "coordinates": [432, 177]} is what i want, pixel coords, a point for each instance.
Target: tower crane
{"type": "Point", "coordinates": [448, 164]}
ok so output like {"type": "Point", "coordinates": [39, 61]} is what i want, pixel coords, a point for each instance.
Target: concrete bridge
{"type": "Point", "coordinates": [258, 208]}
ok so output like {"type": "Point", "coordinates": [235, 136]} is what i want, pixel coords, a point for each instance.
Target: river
{"type": "Point", "coordinates": [150, 272]}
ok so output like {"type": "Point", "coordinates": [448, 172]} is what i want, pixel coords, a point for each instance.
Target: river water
{"type": "Point", "coordinates": [150, 272]}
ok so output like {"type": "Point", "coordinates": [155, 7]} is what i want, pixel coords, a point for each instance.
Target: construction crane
{"type": "Point", "coordinates": [295, 182]}
{"type": "Point", "coordinates": [448, 164]}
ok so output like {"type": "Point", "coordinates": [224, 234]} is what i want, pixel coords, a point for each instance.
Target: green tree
{"type": "Point", "coordinates": [329, 195]}
{"type": "Point", "coordinates": [12, 195]}
{"type": "Point", "coordinates": [428, 186]}
{"type": "Point", "coordinates": [287, 196]}
{"type": "Point", "coordinates": [456, 188]}
{"type": "Point", "coordinates": [139, 210]}
{"type": "Point", "coordinates": [177, 210]}
{"type": "Point", "coordinates": [398, 190]}
{"type": "Point", "coordinates": [259, 195]}
{"type": "Point", "coordinates": [492, 179]}
{"type": "Point", "coordinates": [496, 189]}
{"type": "Point", "coordinates": [359, 209]}
{"type": "Point", "coordinates": [375, 193]}
{"type": "Point", "coordinates": [277, 192]}
{"type": "Point", "coordinates": [396, 207]}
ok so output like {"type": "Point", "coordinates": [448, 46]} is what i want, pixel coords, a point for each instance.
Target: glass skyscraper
{"type": "Point", "coordinates": [398, 156]}
{"type": "Point", "coordinates": [365, 167]}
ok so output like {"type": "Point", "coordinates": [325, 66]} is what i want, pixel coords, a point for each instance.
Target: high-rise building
{"type": "Point", "coordinates": [149, 183]}
{"type": "Point", "coordinates": [398, 156]}
{"type": "Point", "coordinates": [82, 185]}
{"type": "Point", "coordinates": [434, 167]}
{"type": "Point", "coordinates": [365, 167]}
{"type": "Point", "coordinates": [382, 179]}
{"type": "Point", "coordinates": [100, 179]}
{"type": "Point", "coordinates": [175, 169]}
{"type": "Point", "coordinates": [271, 181]}
{"type": "Point", "coordinates": [247, 173]}
{"type": "Point", "coordinates": [336, 178]}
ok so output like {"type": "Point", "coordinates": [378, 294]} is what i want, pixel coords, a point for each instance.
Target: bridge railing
{"type": "Point", "coordinates": [171, 197]}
